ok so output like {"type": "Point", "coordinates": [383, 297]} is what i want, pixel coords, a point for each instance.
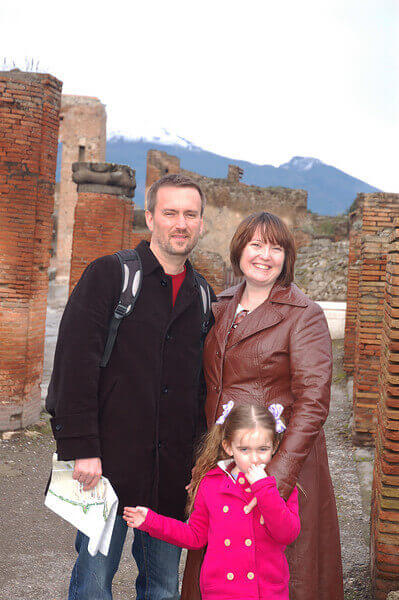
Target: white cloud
{"type": "Point", "coordinates": [262, 81]}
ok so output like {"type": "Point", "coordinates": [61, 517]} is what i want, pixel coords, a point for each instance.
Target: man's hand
{"type": "Point", "coordinates": [135, 517]}
{"type": "Point", "coordinates": [87, 471]}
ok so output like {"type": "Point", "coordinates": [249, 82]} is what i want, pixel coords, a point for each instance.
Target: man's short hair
{"type": "Point", "coordinates": [173, 180]}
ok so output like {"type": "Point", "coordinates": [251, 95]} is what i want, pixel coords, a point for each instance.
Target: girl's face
{"type": "Point", "coordinates": [250, 447]}
{"type": "Point", "coordinates": [262, 262]}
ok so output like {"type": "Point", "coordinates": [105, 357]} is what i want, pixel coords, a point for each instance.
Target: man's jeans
{"type": "Point", "coordinates": [157, 562]}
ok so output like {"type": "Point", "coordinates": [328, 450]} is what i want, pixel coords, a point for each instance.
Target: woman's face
{"type": "Point", "coordinates": [262, 262]}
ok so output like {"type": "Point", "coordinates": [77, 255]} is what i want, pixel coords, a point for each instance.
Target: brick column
{"type": "Point", "coordinates": [377, 215]}
{"type": "Point", "coordinates": [103, 213]}
{"type": "Point", "coordinates": [352, 296]}
{"type": "Point", "coordinates": [373, 253]}
{"type": "Point", "coordinates": [384, 541]}
{"type": "Point", "coordinates": [29, 118]}
{"type": "Point", "coordinates": [212, 267]}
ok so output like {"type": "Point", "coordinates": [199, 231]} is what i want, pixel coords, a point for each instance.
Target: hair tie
{"type": "Point", "coordinates": [276, 410]}
{"type": "Point", "coordinates": [226, 411]}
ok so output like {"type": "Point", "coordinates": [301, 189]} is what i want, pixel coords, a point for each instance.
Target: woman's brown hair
{"type": "Point", "coordinates": [210, 451]}
{"type": "Point", "coordinates": [273, 230]}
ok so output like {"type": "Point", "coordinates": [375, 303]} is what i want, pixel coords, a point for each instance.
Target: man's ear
{"type": "Point", "coordinates": [227, 448]}
{"type": "Point", "coordinates": [149, 219]}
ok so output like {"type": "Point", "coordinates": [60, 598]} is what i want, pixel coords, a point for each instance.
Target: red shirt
{"type": "Point", "coordinates": [177, 280]}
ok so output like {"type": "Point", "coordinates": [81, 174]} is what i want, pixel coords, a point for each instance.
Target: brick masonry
{"type": "Point", "coordinates": [103, 221]}
{"type": "Point", "coordinates": [83, 137]}
{"type": "Point", "coordinates": [384, 543]}
{"type": "Point", "coordinates": [29, 118]}
{"type": "Point", "coordinates": [367, 271]}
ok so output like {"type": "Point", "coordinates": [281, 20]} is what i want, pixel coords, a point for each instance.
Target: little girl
{"type": "Point", "coordinates": [245, 549]}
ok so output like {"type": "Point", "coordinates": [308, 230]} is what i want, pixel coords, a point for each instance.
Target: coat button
{"type": "Point", "coordinates": [247, 490]}
{"type": "Point", "coordinates": [248, 542]}
{"type": "Point", "coordinates": [230, 576]}
{"type": "Point", "coordinates": [250, 575]}
{"type": "Point", "coordinates": [225, 508]}
{"type": "Point", "coordinates": [164, 283]}
{"type": "Point", "coordinates": [227, 542]}
{"type": "Point", "coordinates": [217, 353]}
{"type": "Point", "coordinates": [165, 390]}
{"type": "Point", "coordinates": [241, 480]}
{"type": "Point", "coordinates": [58, 427]}
{"type": "Point", "coordinates": [262, 520]}
{"type": "Point", "coordinates": [168, 337]}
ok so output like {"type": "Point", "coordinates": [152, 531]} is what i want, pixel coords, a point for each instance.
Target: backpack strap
{"type": "Point", "coordinates": [205, 297]}
{"type": "Point", "coordinates": [132, 278]}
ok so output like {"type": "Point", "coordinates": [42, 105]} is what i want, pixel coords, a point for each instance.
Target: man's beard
{"type": "Point", "coordinates": [174, 250]}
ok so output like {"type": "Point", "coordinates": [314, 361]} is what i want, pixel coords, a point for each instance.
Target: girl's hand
{"type": "Point", "coordinates": [135, 517]}
{"type": "Point", "coordinates": [255, 473]}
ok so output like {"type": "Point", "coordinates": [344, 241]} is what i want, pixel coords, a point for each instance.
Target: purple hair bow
{"type": "Point", "coordinates": [226, 410]}
{"type": "Point", "coordinates": [276, 410]}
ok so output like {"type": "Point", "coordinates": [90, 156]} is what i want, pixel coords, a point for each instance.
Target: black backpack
{"type": "Point", "coordinates": [132, 278]}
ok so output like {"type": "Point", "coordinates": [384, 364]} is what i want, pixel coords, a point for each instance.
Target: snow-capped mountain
{"type": "Point", "coordinates": [330, 191]}
{"type": "Point", "coordinates": [301, 163]}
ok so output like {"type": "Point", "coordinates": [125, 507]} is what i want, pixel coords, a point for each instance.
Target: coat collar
{"type": "Point", "coordinates": [264, 316]}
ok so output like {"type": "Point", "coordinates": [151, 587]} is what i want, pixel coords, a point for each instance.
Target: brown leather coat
{"type": "Point", "coordinates": [281, 352]}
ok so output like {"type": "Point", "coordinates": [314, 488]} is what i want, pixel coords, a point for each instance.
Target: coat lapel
{"type": "Point", "coordinates": [266, 315]}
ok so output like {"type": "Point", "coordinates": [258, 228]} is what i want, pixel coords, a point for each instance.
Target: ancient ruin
{"type": "Point", "coordinates": [385, 501]}
{"type": "Point", "coordinates": [29, 115]}
{"type": "Point", "coordinates": [103, 220]}
{"type": "Point", "coordinates": [83, 137]}
{"type": "Point", "coordinates": [372, 224]}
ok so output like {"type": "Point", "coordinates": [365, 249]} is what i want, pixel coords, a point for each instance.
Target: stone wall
{"type": "Point", "coordinates": [29, 119]}
{"type": "Point", "coordinates": [83, 137]}
{"type": "Point", "coordinates": [103, 220]}
{"type": "Point", "coordinates": [321, 270]}
{"type": "Point", "coordinates": [384, 544]}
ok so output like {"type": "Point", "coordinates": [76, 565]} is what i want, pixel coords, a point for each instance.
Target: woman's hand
{"type": "Point", "coordinates": [135, 517]}
{"type": "Point", "coordinates": [255, 473]}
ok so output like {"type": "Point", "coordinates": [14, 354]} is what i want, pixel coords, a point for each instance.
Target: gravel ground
{"type": "Point", "coordinates": [36, 546]}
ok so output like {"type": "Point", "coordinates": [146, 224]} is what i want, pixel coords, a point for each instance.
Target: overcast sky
{"type": "Point", "coordinates": [261, 80]}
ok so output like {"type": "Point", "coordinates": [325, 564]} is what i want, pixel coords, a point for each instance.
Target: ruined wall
{"type": "Point", "coordinates": [83, 137]}
{"type": "Point", "coordinates": [29, 119]}
{"type": "Point", "coordinates": [103, 214]}
{"type": "Point", "coordinates": [229, 201]}
{"type": "Point", "coordinates": [375, 216]}
{"type": "Point", "coordinates": [352, 296]}
{"type": "Point", "coordinates": [384, 542]}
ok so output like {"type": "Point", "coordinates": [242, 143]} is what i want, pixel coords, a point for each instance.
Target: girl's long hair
{"type": "Point", "coordinates": [211, 451]}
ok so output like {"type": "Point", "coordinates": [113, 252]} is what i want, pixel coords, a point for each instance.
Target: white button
{"type": "Point", "coordinates": [227, 542]}
{"type": "Point", "coordinates": [250, 575]}
{"type": "Point", "coordinates": [241, 480]}
{"type": "Point", "coordinates": [246, 509]}
{"type": "Point", "coordinates": [262, 520]}
{"type": "Point", "coordinates": [247, 490]}
{"type": "Point", "coordinates": [225, 508]}
{"type": "Point", "coordinates": [248, 542]}
{"type": "Point", "coordinates": [230, 576]}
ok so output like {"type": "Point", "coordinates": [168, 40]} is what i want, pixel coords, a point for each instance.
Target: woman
{"type": "Point", "coordinates": [270, 343]}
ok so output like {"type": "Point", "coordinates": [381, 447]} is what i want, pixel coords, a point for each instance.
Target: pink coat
{"type": "Point", "coordinates": [245, 552]}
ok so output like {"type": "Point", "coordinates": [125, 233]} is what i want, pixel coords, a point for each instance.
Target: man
{"type": "Point", "coordinates": [136, 420]}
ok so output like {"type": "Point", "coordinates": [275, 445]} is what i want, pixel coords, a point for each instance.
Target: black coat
{"type": "Point", "coordinates": [143, 412]}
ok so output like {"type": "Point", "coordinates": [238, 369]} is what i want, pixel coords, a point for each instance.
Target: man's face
{"type": "Point", "coordinates": [176, 223]}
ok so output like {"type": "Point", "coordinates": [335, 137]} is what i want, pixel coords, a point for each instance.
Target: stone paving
{"type": "Point", "coordinates": [36, 546]}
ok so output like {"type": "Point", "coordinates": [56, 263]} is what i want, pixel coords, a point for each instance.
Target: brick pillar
{"type": "Point", "coordinates": [29, 117]}
{"type": "Point", "coordinates": [352, 296]}
{"type": "Point", "coordinates": [368, 336]}
{"type": "Point", "coordinates": [83, 137]}
{"type": "Point", "coordinates": [384, 541]}
{"type": "Point", "coordinates": [377, 215]}
{"type": "Point", "coordinates": [103, 213]}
